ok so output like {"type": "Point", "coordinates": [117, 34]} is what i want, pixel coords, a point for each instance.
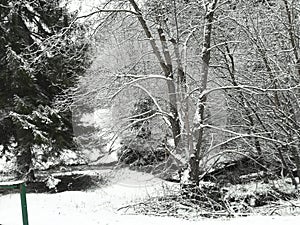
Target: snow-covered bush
{"type": "Point", "coordinates": [142, 144]}
{"type": "Point", "coordinates": [141, 152]}
{"type": "Point", "coordinates": [52, 182]}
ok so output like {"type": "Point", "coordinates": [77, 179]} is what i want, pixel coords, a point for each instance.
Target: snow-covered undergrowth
{"type": "Point", "coordinates": [6, 164]}
{"type": "Point", "coordinates": [66, 157]}
{"type": "Point", "coordinates": [101, 206]}
{"type": "Point", "coordinates": [261, 188]}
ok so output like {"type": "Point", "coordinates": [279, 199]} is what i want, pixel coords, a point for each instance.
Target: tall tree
{"type": "Point", "coordinates": [197, 155]}
{"type": "Point", "coordinates": [42, 51]}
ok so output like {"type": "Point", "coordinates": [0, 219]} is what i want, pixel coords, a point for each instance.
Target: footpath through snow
{"type": "Point", "coordinates": [100, 206]}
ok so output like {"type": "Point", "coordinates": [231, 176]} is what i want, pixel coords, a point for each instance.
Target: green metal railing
{"type": "Point", "coordinates": [22, 188]}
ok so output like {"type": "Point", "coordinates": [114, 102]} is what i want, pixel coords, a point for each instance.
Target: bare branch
{"type": "Point", "coordinates": [108, 11]}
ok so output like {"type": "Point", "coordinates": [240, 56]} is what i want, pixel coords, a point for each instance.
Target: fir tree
{"type": "Point", "coordinates": [42, 53]}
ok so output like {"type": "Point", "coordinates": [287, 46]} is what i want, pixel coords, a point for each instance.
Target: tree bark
{"type": "Point", "coordinates": [166, 66]}
{"type": "Point", "coordinates": [198, 152]}
{"type": "Point", "coordinates": [24, 163]}
{"type": "Point", "coordinates": [24, 155]}
{"type": "Point", "coordinates": [184, 100]}
{"type": "Point", "coordinates": [291, 32]}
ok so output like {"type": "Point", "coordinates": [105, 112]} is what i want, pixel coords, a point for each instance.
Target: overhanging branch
{"type": "Point", "coordinates": [108, 11]}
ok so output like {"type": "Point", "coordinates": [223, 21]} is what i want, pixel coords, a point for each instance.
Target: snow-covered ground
{"type": "Point", "coordinates": [100, 206]}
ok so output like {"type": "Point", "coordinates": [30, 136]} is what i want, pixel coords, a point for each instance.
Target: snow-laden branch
{"type": "Point", "coordinates": [241, 135]}
{"type": "Point", "coordinates": [222, 43]}
{"type": "Point", "coordinates": [220, 154]}
{"type": "Point", "coordinates": [6, 6]}
{"type": "Point", "coordinates": [150, 76]}
{"type": "Point", "coordinates": [137, 78]}
{"type": "Point", "coordinates": [156, 104]}
{"type": "Point", "coordinates": [176, 156]}
{"type": "Point", "coordinates": [108, 11]}
{"type": "Point", "coordinates": [49, 43]}
{"type": "Point", "coordinates": [248, 88]}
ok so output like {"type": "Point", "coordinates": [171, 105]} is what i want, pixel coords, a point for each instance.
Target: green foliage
{"type": "Point", "coordinates": [41, 54]}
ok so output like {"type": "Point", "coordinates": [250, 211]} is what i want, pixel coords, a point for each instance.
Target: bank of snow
{"type": "Point", "coordinates": [100, 206]}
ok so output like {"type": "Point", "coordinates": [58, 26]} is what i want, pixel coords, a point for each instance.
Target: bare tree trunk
{"type": "Point", "coordinates": [175, 123]}
{"type": "Point", "coordinates": [198, 152]}
{"type": "Point", "coordinates": [184, 100]}
{"type": "Point", "coordinates": [285, 165]}
{"type": "Point", "coordinates": [291, 31]}
{"type": "Point", "coordinates": [24, 156]}
{"type": "Point", "coordinates": [24, 163]}
{"type": "Point", "coordinates": [295, 47]}
{"type": "Point", "coordinates": [166, 65]}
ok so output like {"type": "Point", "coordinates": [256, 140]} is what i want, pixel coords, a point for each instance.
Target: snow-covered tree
{"type": "Point", "coordinates": [42, 52]}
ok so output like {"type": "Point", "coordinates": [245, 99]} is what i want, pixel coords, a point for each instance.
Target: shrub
{"type": "Point", "coordinates": [141, 152]}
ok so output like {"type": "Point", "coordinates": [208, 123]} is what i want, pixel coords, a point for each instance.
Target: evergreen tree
{"type": "Point", "coordinates": [42, 52]}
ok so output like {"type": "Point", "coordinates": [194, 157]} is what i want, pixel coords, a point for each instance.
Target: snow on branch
{"type": "Point", "coordinates": [241, 135]}
{"type": "Point", "coordinates": [137, 79]}
{"type": "Point", "coordinates": [108, 11]}
{"type": "Point", "coordinates": [156, 104]}
{"type": "Point", "coordinates": [247, 88]}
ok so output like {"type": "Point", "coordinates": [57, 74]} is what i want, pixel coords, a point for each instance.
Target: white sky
{"type": "Point", "coordinates": [84, 6]}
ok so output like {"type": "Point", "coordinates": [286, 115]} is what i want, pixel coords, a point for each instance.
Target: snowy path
{"type": "Point", "coordinates": [100, 206]}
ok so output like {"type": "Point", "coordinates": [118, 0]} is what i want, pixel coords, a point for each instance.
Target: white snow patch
{"type": "Point", "coordinates": [66, 157]}
{"type": "Point", "coordinates": [171, 142]}
{"type": "Point", "coordinates": [70, 157]}
{"type": "Point", "coordinates": [101, 206]}
{"type": "Point", "coordinates": [6, 165]}
{"type": "Point", "coordinates": [107, 158]}
{"type": "Point", "coordinates": [113, 145]}
{"type": "Point", "coordinates": [52, 182]}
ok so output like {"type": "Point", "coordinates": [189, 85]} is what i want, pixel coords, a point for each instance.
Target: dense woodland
{"type": "Point", "coordinates": [206, 89]}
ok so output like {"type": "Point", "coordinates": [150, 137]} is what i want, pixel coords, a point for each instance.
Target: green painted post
{"type": "Point", "coordinates": [22, 188]}
{"type": "Point", "coordinates": [24, 203]}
